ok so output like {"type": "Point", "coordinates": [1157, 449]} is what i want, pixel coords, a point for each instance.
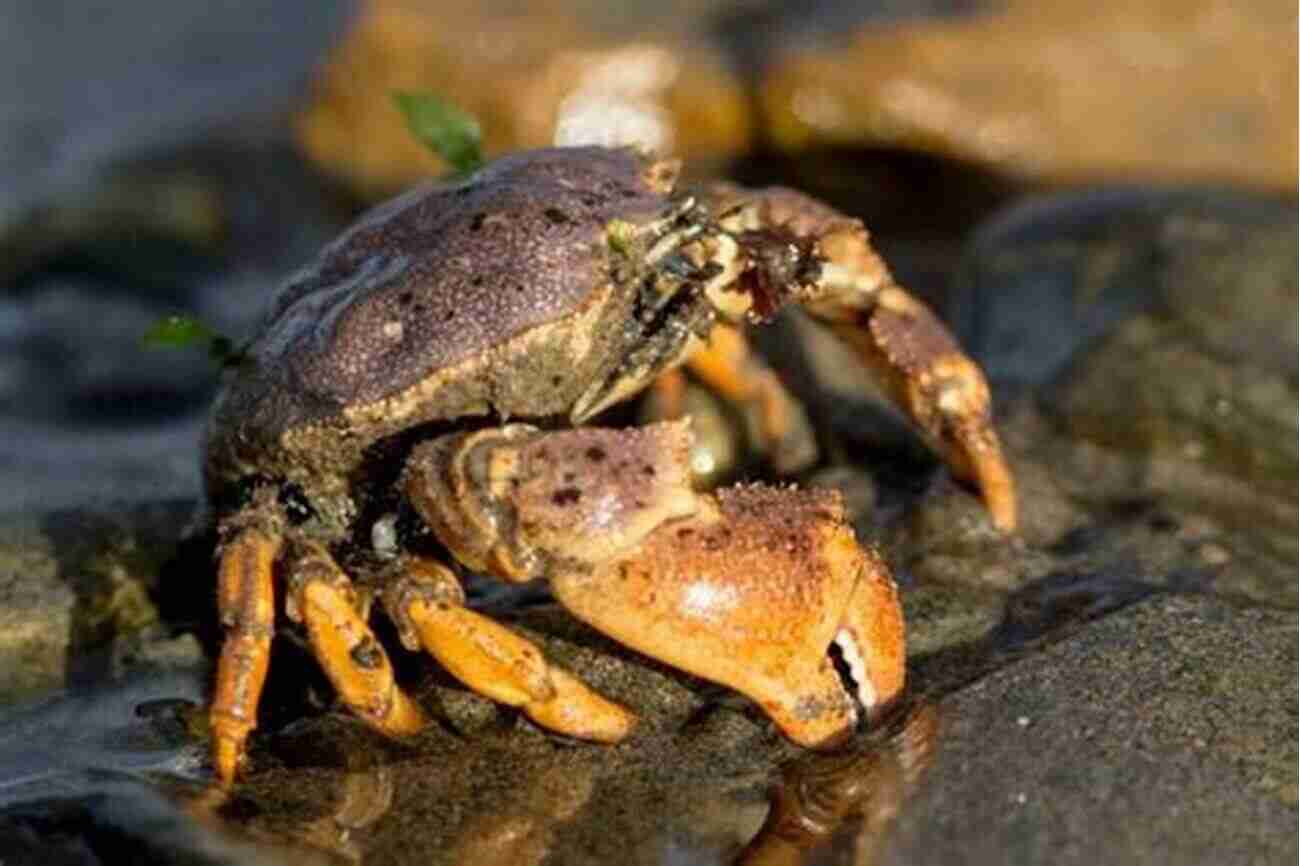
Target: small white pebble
{"type": "Point", "coordinates": [702, 463]}
{"type": "Point", "coordinates": [383, 536]}
{"type": "Point", "coordinates": [1214, 554]}
{"type": "Point", "coordinates": [392, 330]}
{"type": "Point", "coordinates": [1023, 721]}
{"type": "Point", "coordinates": [1021, 799]}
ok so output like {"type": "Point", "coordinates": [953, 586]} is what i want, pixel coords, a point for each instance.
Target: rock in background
{"type": "Point", "coordinates": [1062, 92]}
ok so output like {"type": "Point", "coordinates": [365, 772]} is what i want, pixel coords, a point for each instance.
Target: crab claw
{"type": "Point", "coordinates": [753, 587]}
{"type": "Point", "coordinates": [943, 391]}
{"type": "Point", "coordinates": [752, 592]}
{"type": "Point", "coordinates": [919, 364]}
{"type": "Point", "coordinates": [795, 248]}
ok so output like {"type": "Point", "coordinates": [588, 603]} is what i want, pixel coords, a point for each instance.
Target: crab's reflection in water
{"type": "Point", "coordinates": [367, 806]}
{"type": "Point", "coordinates": [838, 808]}
{"type": "Point", "coordinates": [364, 782]}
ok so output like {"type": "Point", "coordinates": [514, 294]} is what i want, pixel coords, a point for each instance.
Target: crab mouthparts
{"type": "Point", "coordinates": [857, 683]}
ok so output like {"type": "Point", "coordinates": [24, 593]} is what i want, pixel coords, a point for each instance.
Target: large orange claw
{"type": "Point", "coordinates": [749, 588]}
{"type": "Point", "coordinates": [752, 592]}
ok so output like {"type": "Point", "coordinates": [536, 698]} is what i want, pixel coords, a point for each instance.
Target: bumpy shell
{"type": "Point", "coordinates": [433, 279]}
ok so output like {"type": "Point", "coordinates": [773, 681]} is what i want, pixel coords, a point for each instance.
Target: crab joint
{"type": "Point", "coordinates": [352, 658]}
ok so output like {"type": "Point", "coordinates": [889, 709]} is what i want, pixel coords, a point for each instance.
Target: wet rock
{"type": "Point", "coordinates": [939, 617]}
{"type": "Point", "coordinates": [139, 723]}
{"type": "Point", "coordinates": [129, 207]}
{"type": "Point", "coordinates": [695, 787]}
{"type": "Point", "coordinates": [1042, 280]}
{"type": "Point", "coordinates": [1174, 523]}
{"type": "Point", "coordinates": [1208, 372]}
{"type": "Point", "coordinates": [123, 819]}
{"type": "Point", "coordinates": [48, 465]}
{"type": "Point", "coordinates": [1158, 329]}
{"type": "Point", "coordinates": [947, 537]}
{"type": "Point", "coordinates": [1089, 511]}
{"type": "Point", "coordinates": [831, 804]}
{"type": "Point", "coordinates": [533, 77]}
{"type": "Point", "coordinates": [85, 776]}
{"type": "Point", "coordinates": [86, 369]}
{"type": "Point", "coordinates": [1168, 727]}
{"type": "Point", "coordinates": [1149, 390]}
{"type": "Point", "coordinates": [1194, 90]}
{"type": "Point", "coordinates": [484, 785]}
{"type": "Point", "coordinates": [77, 597]}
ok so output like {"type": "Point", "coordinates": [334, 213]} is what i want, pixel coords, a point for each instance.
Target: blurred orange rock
{"type": "Point", "coordinates": [533, 74]}
{"type": "Point", "coordinates": [1064, 92]}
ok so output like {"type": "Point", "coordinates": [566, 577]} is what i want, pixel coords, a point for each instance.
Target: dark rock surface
{"type": "Point", "coordinates": [1163, 368]}
{"type": "Point", "coordinates": [79, 593]}
{"type": "Point", "coordinates": [1165, 732]}
{"type": "Point", "coordinates": [1045, 278]}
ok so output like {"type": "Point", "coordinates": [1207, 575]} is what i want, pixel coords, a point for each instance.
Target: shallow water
{"type": "Point", "coordinates": [115, 770]}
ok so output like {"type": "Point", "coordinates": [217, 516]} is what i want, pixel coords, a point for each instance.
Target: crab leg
{"type": "Point", "coordinates": [321, 597]}
{"type": "Point", "coordinates": [246, 607]}
{"type": "Point", "coordinates": [427, 603]}
{"type": "Point", "coordinates": [916, 359]}
{"type": "Point", "coordinates": [731, 367]}
{"type": "Point", "coordinates": [924, 371]}
{"type": "Point", "coordinates": [668, 392]}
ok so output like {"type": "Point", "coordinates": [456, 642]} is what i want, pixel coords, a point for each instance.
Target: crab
{"type": "Point", "coordinates": [413, 406]}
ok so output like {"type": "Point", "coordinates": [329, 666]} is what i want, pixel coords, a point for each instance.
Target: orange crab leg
{"type": "Point", "coordinates": [577, 711]}
{"type": "Point", "coordinates": [668, 393]}
{"type": "Point", "coordinates": [354, 661]}
{"type": "Point", "coordinates": [428, 605]}
{"type": "Point", "coordinates": [246, 606]}
{"type": "Point", "coordinates": [731, 367]}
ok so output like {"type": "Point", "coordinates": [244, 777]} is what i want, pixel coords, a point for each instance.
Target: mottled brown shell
{"type": "Point", "coordinates": [461, 267]}
{"type": "Point", "coordinates": [432, 279]}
